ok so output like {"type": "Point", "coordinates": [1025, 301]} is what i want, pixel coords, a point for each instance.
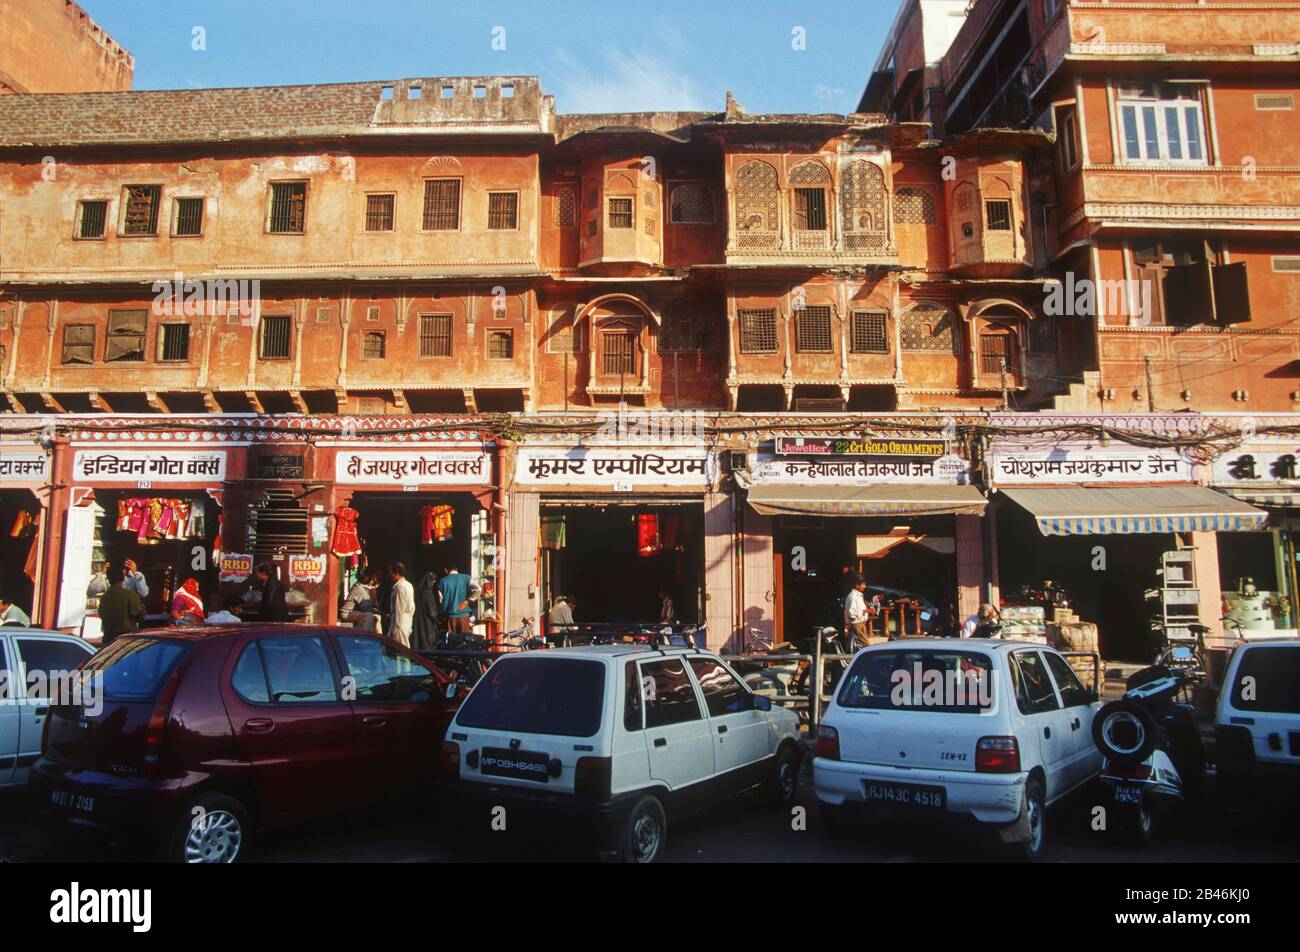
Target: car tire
{"type": "Point", "coordinates": [1031, 849]}
{"type": "Point", "coordinates": [1136, 719]}
{"type": "Point", "coordinates": [643, 833]}
{"type": "Point", "coordinates": [783, 785]}
{"type": "Point", "coordinates": [220, 833]}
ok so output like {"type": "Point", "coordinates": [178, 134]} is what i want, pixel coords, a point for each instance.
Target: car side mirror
{"type": "Point", "coordinates": [451, 690]}
{"type": "Point", "coordinates": [762, 702]}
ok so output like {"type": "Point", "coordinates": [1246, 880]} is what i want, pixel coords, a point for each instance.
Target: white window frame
{"type": "Point", "coordinates": [1156, 109]}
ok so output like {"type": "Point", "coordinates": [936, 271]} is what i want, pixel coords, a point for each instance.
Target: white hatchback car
{"type": "Point", "coordinates": [985, 729]}
{"type": "Point", "coordinates": [611, 740]}
{"type": "Point", "coordinates": [31, 659]}
{"type": "Point", "coordinates": [1257, 724]}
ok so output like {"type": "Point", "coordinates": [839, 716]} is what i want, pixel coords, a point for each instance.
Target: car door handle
{"type": "Point", "coordinates": [722, 728]}
{"type": "Point", "coordinates": [1047, 732]}
{"type": "Point", "coordinates": [374, 720]}
{"type": "Point", "coordinates": [1074, 724]}
{"type": "Point", "coordinates": [259, 725]}
{"type": "Point", "coordinates": [661, 741]}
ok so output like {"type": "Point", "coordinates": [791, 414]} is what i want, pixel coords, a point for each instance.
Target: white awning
{"type": "Point", "coordinates": [882, 500]}
{"type": "Point", "coordinates": [1104, 510]}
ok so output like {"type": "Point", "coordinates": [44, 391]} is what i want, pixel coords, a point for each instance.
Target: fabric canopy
{"type": "Point", "coordinates": [1277, 498]}
{"type": "Point", "coordinates": [1099, 510]}
{"type": "Point", "coordinates": [882, 500]}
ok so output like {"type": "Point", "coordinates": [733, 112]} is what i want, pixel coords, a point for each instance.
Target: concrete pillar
{"type": "Point", "coordinates": [719, 569]}
{"type": "Point", "coordinates": [523, 525]}
{"type": "Point", "coordinates": [1206, 560]}
{"type": "Point", "coordinates": [757, 569]}
{"type": "Point", "coordinates": [970, 565]}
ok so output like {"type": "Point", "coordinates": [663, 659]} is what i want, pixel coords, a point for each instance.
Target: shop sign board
{"type": "Point", "coordinates": [948, 470]}
{"type": "Point", "coordinates": [306, 568]}
{"type": "Point", "coordinates": [412, 468]}
{"type": "Point", "coordinates": [614, 469]}
{"type": "Point", "coordinates": [279, 466]}
{"type": "Point", "coordinates": [234, 567]}
{"type": "Point", "coordinates": [144, 467]}
{"type": "Point", "coordinates": [23, 467]}
{"type": "Point", "coordinates": [1033, 466]}
{"type": "Point", "coordinates": [870, 447]}
{"type": "Point", "coordinates": [1258, 467]}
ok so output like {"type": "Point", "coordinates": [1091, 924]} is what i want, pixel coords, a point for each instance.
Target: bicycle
{"type": "Point", "coordinates": [522, 638]}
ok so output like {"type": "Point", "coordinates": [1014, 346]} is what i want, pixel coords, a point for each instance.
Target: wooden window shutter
{"type": "Point", "coordinates": [1231, 294]}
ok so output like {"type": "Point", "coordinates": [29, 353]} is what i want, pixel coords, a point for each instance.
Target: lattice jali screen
{"type": "Point", "coordinates": [862, 197]}
{"type": "Point", "coordinates": [914, 206]}
{"type": "Point", "coordinates": [758, 216]}
{"type": "Point", "coordinates": [566, 207]}
{"type": "Point", "coordinates": [812, 330]}
{"type": "Point", "coordinates": [692, 204]}
{"type": "Point", "coordinates": [927, 327]}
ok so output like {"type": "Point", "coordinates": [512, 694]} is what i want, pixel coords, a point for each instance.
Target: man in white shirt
{"type": "Point", "coordinates": [855, 612]}
{"type": "Point", "coordinates": [984, 619]}
{"type": "Point", "coordinates": [402, 605]}
{"type": "Point", "coordinates": [12, 615]}
{"type": "Point", "coordinates": [135, 579]}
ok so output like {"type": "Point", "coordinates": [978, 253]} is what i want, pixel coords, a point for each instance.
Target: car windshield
{"type": "Point", "coordinates": [920, 679]}
{"type": "Point", "coordinates": [538, 696]}
{"type": "Point", "coordinates": [134, 669]}
{"type": "Point", "coordinates": [1268, 680]}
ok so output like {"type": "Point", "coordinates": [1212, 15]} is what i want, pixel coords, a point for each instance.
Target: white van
{"type": "Point", "coordinates": [986, 729]}
{"type": "Point", "coordinates": [613, 740]}
{"type": "Point", "coordinates": [1257, 724]}
{"type": "Point", "coordinates": [32, 660]}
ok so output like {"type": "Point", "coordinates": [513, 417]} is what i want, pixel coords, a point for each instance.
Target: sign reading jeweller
{"type": "Point", "coordinates": [1081, 465]}
{"type": "Point", "coordinates": [412, 468]}
{"type": "Point", "coordinates": [871, 447]}
{"type": "Point", "coordinates": [619, 470]}
{"type": "Point", "coordinates": [154, 466]}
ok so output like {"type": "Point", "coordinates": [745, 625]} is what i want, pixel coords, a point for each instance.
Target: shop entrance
{"type": "Point", "coordinates": [614, 557]}
{"type": "Point", "coordinates": [20, 515]}
{"type": "Point", "coordinates": [903, 559]}
{"type": "Point", "coordinates": [160, 533]}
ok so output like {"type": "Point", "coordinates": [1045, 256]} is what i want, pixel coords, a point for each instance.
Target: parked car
{"type": "Point", "coordinates": [33, 668]}
{"type": "Point", "coordinates": [208, 734]}
{"type": "Point", "coordinates": [1257, 723]}
{"type": "Point", "coordinates": [609, 741]}
{"type": "Point", "coordinates": [1007, 734]}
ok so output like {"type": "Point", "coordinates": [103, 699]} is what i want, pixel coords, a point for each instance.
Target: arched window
{"type": "Point", "coordinates": [810, 186]}
{"type": "Point", "coordinates": [692, 204]}
{"type": "Point", "coordinates": [618, 356]}
{"type": "Point", "coordinates": [914, 206]}
{"type": "Point", "coordinates": [927, 327]}
{"type": "Point", "coordinates": [999, 349]}
{"type": "Point", "coordinates": [758, 217]}
{"type": "Point", "coordinates": [862, 197]}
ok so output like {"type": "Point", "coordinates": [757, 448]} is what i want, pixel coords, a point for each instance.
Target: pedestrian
{"type": "Point", "coordinates": [453, 593]}
{"type": "Point", "coordinates": [135, 580]}
{"type": "Point", "coordinates": [559, 620]}
{"type": "Point", "coordinates": [227, 615]}
{"type": "Point", "coordinates": [856, 627]}
{"type": "Point", "coordinates": [425, 627]}
{"type": "Point", "coordinates": [667, 611]}
{"type": "Point", "coordinates": [121, 609]}
{"type": "Point", "coordinates": [99, 583]}
{"type": "Point", "coordinates": [187, 605]}
{"type": "Point", "coordinates": [359, 607]}
{"type": "Point", "coordinates": [11, 616]}
{"type": "Point", "coordinates": [402, 606]}
{"type": "Point", "coordinates": [983, 624]}
{"type": "Point", "coordinates": [272, 607]}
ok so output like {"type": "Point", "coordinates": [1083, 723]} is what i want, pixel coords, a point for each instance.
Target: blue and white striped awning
{"type": "Point", "coordinates": [1102, 510]}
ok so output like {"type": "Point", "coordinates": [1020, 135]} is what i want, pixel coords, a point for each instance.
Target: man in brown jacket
{"type": "Point", "coordinates": [120, 610]}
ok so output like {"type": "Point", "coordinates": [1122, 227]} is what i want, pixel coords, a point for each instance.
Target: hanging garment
{"type": "Point", "coordinates": [196, 523]}
{"type": "Point", "coordinates": [670, 530]}
{"type": "Point", "coordinates": [435, 523]}
{"type": "Point", "coordinates": [647, 534]}
{"type": "Point", "coordinates": [29, 564]}
{"type": "Point", "coordinates": [216, 542]}
{"type": "Point", "coordinates": [554, 531]}
{"type": "Point", "coordinates": [22, 524]}
{"type": "Point", "coordinates": [345, 541]}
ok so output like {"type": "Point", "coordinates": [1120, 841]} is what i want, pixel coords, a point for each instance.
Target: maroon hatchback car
{"type": "Point", "coordinates": [207, 734]}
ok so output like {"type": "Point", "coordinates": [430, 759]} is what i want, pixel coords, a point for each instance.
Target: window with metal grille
{"type": "Point", "coordinates": [288, 208]}
{"type": "Point", "coordinates": [501, 345]}
{"type": "Point", "coordinates": [913, 206]}
{"type": "Point", "coordinates": [441, 204]}
{"type": "Point", "coordinates": [187, 217]}
{"type": "Point", "coordinates": [620, 213]}
{"type": "Point", "coordinates": [692, 204]}
{"type": "Point", "coordinates": [996, 352]}
{"type": "Point", "coordinates": [372, 345]}
{"type": "Point", "coordinates": [275, 336]}
{"type": "Point", "coordinates": [140, 216]}
{"type": "Point", "coordinates": [869, 333]}
{"type": "Point", "coordinates": [758, 332]}
{"type": "Point", "coordinates": [503, 211]}
{"type": "Point", "coordinates": [812, 330]}
{"type": "Point", "coordinates": [126, 335]}
{"type": "Point", "coordinates": [618, 352]}
{"type": "Point", "coordinates": [810, 209]}
{"type": "Point", "coordinates": [91, 216]}
{"type": "Point", "coordinates": [566, 207]}
{"type": "Point", "coordinates": [174, 342]}
{"type": "Point", "coordinates": [998, 213]}
{"type": "Point", "coordinates": [379, 212]}
{"type": "Point", "coordinates": [686, 328]}
{"type": "Point", "coordinates": [79, 344]}
{"type": "Point", "coordinates": [435, 335]}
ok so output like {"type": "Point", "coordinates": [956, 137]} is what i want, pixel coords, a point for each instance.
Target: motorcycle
{"type": "Point", "coordinates": [789, 678]}
{"type": "Point", "coordinates": [1153, 762]}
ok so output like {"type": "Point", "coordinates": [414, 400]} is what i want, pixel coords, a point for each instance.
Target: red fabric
{"type": "Point", "coordinates": [345, 540]}
{"type": "Point", "coordinates": [647, 534]}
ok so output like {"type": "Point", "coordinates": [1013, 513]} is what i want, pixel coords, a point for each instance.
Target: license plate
{"type": "Point", "coordinates": [1128, 793]}
{"type": "Point", "coordinates": [905, 795]}
{"type": "Point", "coordinates": [72, 801]}
{"type": "Point", "coordinates": [519, 764]}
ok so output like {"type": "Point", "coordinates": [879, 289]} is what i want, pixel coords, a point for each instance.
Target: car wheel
{"type": "Point", "coordinates": [783, 786]}
{"type": "Point", "coordinates": [644, 832]}
{"type": "Point", "coordinates": [214, 828]}
{"type": "Point", "coordinates": [1036, 811]}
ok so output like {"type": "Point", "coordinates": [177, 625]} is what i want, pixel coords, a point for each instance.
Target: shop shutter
{"type": "Point", "coordinates": [1231, 294]}
{"type": "Point", "coordinates": [78, 548]}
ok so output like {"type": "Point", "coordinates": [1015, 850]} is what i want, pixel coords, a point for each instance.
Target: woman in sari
{"type": "Point", "coordinates": [187, 606]}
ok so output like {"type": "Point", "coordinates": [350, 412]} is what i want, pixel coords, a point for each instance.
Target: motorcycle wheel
{"type": "Point", "coordinates": [1124, 731]}
{"type": "Point", "coordinates": [1134, 826]}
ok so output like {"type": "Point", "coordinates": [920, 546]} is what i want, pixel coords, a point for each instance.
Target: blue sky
{"type": "Point", "coordinates": [593, 56]}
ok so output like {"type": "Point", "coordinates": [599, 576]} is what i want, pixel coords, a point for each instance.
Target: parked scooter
{"type": "Point", "coordinates": [1154, 761]}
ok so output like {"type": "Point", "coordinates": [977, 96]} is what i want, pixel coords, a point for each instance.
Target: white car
{"type": "Point", "coordinates": [985, 729]}
{"type": "Point", "coordinates": [611, 740]}
{"type": "Point", "coordinates": [1257, 724]}
{"type": "Point", "coordinates": [31, 660]}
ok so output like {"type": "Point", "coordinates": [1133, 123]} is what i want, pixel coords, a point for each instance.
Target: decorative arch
{"type": "Point", "coordinates": [984, 308]}
{"type": "Point", "coordinates": [443, 165]}
{"type": "Point", "coordinates": [863, 205]}
{"type": "Point", "coordinates": [810, 172]}
{"type": "Point", "coordinates": [758, 215]}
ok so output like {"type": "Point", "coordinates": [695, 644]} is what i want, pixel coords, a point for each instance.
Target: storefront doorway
{"type": "Point", "coordinates": [613, 557]}
{"type": "Point", "coordinates": [20, 515]}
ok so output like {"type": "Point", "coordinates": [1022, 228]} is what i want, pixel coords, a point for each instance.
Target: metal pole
{"type": "Point", "coordinates": [1151, 394]}
{"type": "Point", "coordinates": [1005, 402]}
{"type": "Point", "coordinates": [815, 685]}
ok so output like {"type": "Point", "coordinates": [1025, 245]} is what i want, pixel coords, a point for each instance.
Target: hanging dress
{"type": "Point", "coordinates": [345, 542]}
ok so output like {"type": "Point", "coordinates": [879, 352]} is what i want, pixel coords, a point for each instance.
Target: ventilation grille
{"type": "Point", "coordinates": [278, 524]}
{"type": "Point", "coordinates": [1274, 102]}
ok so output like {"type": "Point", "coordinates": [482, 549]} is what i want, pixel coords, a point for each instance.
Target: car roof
{"type": "Point", "coordinates": [991, 643]}
{"type": "Point", "coordinates": [1281, 641]}
{"type": "Point", "coordinates": [591, 652]}
{"type": "Point", "coordinates": [205, 632]}
{"type": "Point", "coordinates": [44, 633]}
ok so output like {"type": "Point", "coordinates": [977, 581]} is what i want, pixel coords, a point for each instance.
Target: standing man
{"type": "Point", "coordinates": [120, 610]}
{"type": "Point", "coordinates": [855, 612]}
{"type": "Point", "coordinates": [273, 607]}
{"type": "Point", "coordinates": [667, 611]}
{"type": "Point", "coordinates": [559, 620]}
{"type": "Point", "coordinates": [402, 605]}
{"type": "Point", "coordinates": [12, 615]}
{"type": "Point", "coordinates": [453, 593]}
{"type": "Point", "coordinates": [135, 579]}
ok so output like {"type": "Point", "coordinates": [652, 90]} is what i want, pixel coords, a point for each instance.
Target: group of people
{"type": "Point", "coordinates": [415, 616]}
{"type": "Point", "coordinates": [857, 616]}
